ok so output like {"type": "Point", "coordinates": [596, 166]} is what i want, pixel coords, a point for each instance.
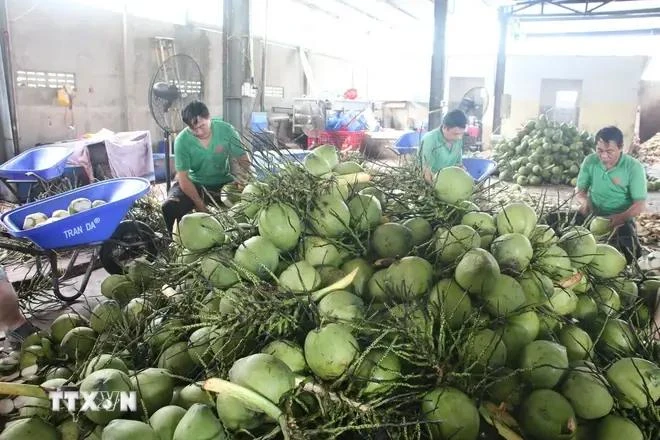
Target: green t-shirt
{"type": "Point", "coordinates": [208, 166]}
{"type": "Point", "coordinates": [612, 191]}
{"type": "Point", "coordinates": [436, 153]}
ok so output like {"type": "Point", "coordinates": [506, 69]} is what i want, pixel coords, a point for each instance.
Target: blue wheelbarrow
{"type": "Point", "coordinates": [102, 228]}
{"type": "Point", "coordinates": [38, 165]}
{"type": "Point", "coordinates": [479, 169]}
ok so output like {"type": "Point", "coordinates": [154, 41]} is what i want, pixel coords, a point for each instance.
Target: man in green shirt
{"type": "Point", "coordinates": [613, 184]}
{"type": "Point", "coordinates": [443, 146]}
{"type": "Point", "coordinates": [208, 154]}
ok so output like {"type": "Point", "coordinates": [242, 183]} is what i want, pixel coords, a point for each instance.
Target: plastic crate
{"type": "Point", "coordinates": [92, 226]}
{"type": "Point", "coordinates": [343, 140]}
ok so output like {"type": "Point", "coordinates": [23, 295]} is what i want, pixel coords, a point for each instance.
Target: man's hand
{"type": "Point", "coordinates": [584, 202]}
{"type": "Point", "coordinates": [617, 220]}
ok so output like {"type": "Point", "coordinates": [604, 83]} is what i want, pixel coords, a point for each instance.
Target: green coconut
{"type": "Point", "coordinates": [543, 236]}
{"type": "Point", "coordinates": [512, 251]}
{"type": "Point", "coordinates": [609, 302]}
{"type": "Point", "coordinates": [65, 323]}
{"type": "Point", "coordinates": [330, 216]}
{"type": "Point", "coordinates": [366, 212]}
{"type": "Point", "coordinates": [636, 381]}
{"type": "Point", "coordinates": [162, 332]}
{"type": "Point", "coordinates": [250, 198]}
{"type": "Point", "coordinates": [165, 420]}
{"type": "Point", "coordinates": [106, 380]}
{"type": "Point", "coordinates": [329, 275]}
{"type": "Point", "coordinates": [516, 217]}
{"type": "Point", "coordinates": [392, 240]}
{"type": "Point", "coordinates": [378, 372]}
{"type": "Point", "coordinates": [378, 288]}
{"type": "Point", "coordinates": [281, 225]}
{"type": "Point", "coordinates": [137, 310]}
{"type": "Point", "coordinates": [317, 165]}
{"type": "Point", "coordinates": [484, 350]}
{"type": "Point", "coordinates": [506, 388]}
{"type": "Point", "coordinates": [104, 361]}
{"type": "Point", "coordinates": [123, 429]}
{"type": "Point", "coordinates": [341, 305]}
{"type": "Point", "coordinates": [141, 272]}
{"type": "Point", "coordinates": [537, 287]}
{"type": "Point", "coordinates": [199, 345]}
{"type": "Point", "coordinates": [176, 359]}
{"type": "Point", "coordinates": [119, 288]}
{"type": "Point", "coordinates": [453, 243]}
{"type": "Point", "coordinates": [614, 427]}
{"type": "Point", "coordinates": [199, 422]}
{"type": "Point", "coordinates": [607, 262]}
{"type": "Point", "coordinates": [300, 277]}
{"type": "Point", "coordinates": [78, 343]}
{"type": "Point", "coordinates": [453, 184]}
{"type": "Point", "coordinates": [586, 309]}
{"type": "Point", "coordinates": [410, 277]}
{"type": "Point", "coordinates": [330, 350]}
{"type": "Point", "coordinates": [154, 387]}
{"type": "Point", "coordinates": [199, 231]}
{"type": "Point", "coordinates": [545, 363]}
{"type": "Point", "coordinates": [578, 343]}
{"type": "Point", "coordinates": [421, 230]}
{"type": "Point", "coordinates": [105, 315]}
{"type": "Point", "coordinates": [214, 270]}
{"type": "Point", "coordinates": [288, 352]}
{"type": "Point", "coordinates": [455, 414]}
{"type": "Point", "coordinates": [364, 272]}
{"type": "Point", "coordinates": [449, 300]}
{"type": "Point", "coordinates": [264, 374]}
{"type": "Point", "coordinates": [617, 338]}
{"type": "Point", "coordinates": [504, 297]}
{"type": "Point", "coordinates": [318, 251]}
{"type": "Point", "coordinates": [258, 256]}
{"type": "Point", "coordinates": [555, 262]}
{"type": "Point", "coordinates": [547, 415]}
{"type": "Point", "coordinates": [518, 331]}
{"type": "Point", "coordinates": [588, 394]}
{"type": "Point", "coordinates": [348, 167]}
{"type": "Point", "coordinates": [238, 414]}
{"type": "Point", "coordinates": [580, 245]}
{"type": "Point", "coordinates": [193, 393]}
{"type": "Point", "coordinates": [562, 301]}
{"type": "Point", "coordinates": [483, 223]}
{"type": "Point", "coordinates": [25, 429]}
{"type": "Point", "coordinates": [600, 226]}
{"type": "Point", "coordinates": [477, 271]}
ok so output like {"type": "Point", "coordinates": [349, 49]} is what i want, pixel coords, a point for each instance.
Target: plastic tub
{"type": "Point", "coordinates": [271, 161]}
{"type": "Point", "coordinates": [479, 169]}
{"type": "Point", "coordinates": [92, 226]}
{"type": "Point", "coordinates": [46, 162]}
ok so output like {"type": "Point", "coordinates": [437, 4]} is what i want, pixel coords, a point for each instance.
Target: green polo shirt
{"type": "Point", "coordinates": [612, 191]}
{"type": "Point", "coordinates": [436, 153]}
{"type": "Point", "coordinates": [208, 166]}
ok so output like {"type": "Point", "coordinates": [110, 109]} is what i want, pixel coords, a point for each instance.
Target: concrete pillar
{"type": "Point", "coordinates": [236, 69]}
{"type": "Point", "coordinates": [498, 91]}
{"type": "Point", "coordinates": [8, 118]}
{"type": "Point", "coordinates": [438, 64]}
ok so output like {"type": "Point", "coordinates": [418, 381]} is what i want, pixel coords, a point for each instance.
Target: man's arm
{"type": "Point", "coordinates": [638, 194]}
{"type": "Point", "coordinates": [189, 189]}
{"type": "Point", "coordinates": [582, 188]}
{"type": "Point", "coordinates": [240, 169]}
{"type": "Point", "coordinates": [635, 209]}
{"type": "Point", "coordinates": [584, 203]}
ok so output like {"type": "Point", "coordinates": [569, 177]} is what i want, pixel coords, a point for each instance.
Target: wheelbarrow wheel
{"type": "Point", "coordinates": [131, 239]}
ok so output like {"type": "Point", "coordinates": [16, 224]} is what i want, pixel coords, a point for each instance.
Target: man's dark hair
{"type": "Point", "coordinates": [194, 111]}
{"type": "Point", "coordinates": [455, 118]}
{"type": "Point", "coordinates": [610, 134]}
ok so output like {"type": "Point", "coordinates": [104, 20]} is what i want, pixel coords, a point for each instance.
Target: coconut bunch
{"type": "Point", "coordinates": [333, 301]}
{"type": "Point", "coordinates": [543, 151]}
{"type": "Point", "coordinates": [649, 151]}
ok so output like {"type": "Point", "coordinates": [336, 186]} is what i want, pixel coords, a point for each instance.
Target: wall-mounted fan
{"type": "Point", "coordinates": [474, 104]}
{"type": "Point", "coordinates": [177, 82]}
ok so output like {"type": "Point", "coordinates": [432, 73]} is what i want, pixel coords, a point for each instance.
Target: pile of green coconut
{"type": "Point", "coordinates": [333, 301]}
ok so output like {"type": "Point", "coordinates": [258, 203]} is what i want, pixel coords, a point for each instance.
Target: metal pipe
{"type": "Point", "coordinates": [500, 71]}
{"type": "Point", "coordinates": [9, 74]}
{"type": "Point", "coordinates": [264, 51]}
{"type": "Point", "coordinates": [124, 48]}
{"type": "Point", "coordinates": [634, 13]}
{"type": "Point", "coordinates": [644, 32]}
{"type": "Point", "coordinates": [438, 64]}
{"type": "Point", "coordinates": [573, 17]}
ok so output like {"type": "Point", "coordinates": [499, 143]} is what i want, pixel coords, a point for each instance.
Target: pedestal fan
{"type": "Point", "coordinates": [177, 82]}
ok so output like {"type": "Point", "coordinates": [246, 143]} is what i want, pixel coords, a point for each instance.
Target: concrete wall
{"type": "Point", "coordinates": [63, 36]}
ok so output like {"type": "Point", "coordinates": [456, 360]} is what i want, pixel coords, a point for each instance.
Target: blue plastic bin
{"type": "Point", "coordinates": [46, 162]}
{"type": "Point", "coordinates": [159, 167]}
{"type": "Point", "coordinates": [479, 169]}
{"type": "Point", "coordinates": [75, 174]}
{"type": "Point", "coordinates": [259, 122]}
{"type": "Point", "coordinates": [88, 227]}
{"type": "Point", "coordinates": [273, 160]}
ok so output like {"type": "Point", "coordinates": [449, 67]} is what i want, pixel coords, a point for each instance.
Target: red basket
{"type": "Point", "coordinates": [343, 140]}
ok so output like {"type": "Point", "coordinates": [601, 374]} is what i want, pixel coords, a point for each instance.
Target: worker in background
{"type": "Point", "coordinates": [12, 322]}
{"type": "Point", "coordinates": [613, 184]}
{"type": "Point", "coordinates": [208, 154]}
{"type": "Point", "coordinates": [443, 146]}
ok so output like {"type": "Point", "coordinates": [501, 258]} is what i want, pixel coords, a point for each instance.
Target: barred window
{"type": "Point", "coordinates": [50, 80]}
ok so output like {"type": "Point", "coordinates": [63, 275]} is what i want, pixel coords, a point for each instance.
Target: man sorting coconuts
{"type": "Point", "coordinates": [612, 184]}
{"type": "Point", "coordinates": [443, 146]}
{"type": "Point", "coordinates": [208, 154]}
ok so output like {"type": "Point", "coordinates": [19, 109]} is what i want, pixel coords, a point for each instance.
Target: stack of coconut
{"type": "Point", "coordinates": [649, 151]}
{"type": "Point", "coordinates": [329, 305]}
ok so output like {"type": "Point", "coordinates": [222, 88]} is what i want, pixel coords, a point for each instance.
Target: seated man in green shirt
{"type": "Point", "coordinates": [613, 184]}
{"type": "Point", "coordinates": [208, 154]}
{"type": "Point", "coordinates": [443, 146]}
